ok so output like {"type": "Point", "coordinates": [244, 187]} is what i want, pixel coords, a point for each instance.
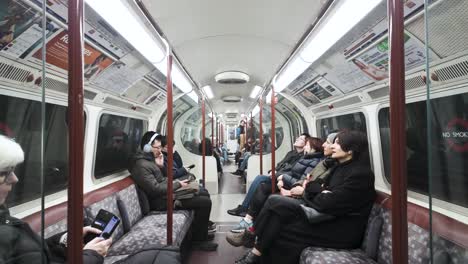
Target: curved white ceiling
{"type": "Point", "coordinates": [212, 36]}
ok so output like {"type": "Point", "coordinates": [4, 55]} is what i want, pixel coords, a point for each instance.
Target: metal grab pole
{"type": "Point", "coordinates": [273, 134]}
{"type": "Point", "coordinates": [261, 136]}
{"type": "Point", "coordinates": [75, 131]}
{"type": "Point", "coordinates": [212, 131]}
{"type": "Point", "coordinates": [251, 128]}
{"type": "Point", "coordinates": [397, 132]}
{"type": "Point", "coordinates": [203, 141]}
{"type": "Point", "coordinates": [170, 154]}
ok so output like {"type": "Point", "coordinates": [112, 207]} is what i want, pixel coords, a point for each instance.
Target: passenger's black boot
{"type": "Point", "coordinates": [238, 211]}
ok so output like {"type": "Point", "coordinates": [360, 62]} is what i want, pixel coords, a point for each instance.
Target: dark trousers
{"type": "Point", "coordinates": [259, 198]}
{"type": "Point", "coordinates": [201, 204]}
{"type": "Point", "coordinates": [281, 230]}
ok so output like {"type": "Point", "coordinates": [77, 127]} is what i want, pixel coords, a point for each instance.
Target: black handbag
{"type": "Point", "coordinates": [313, 216]}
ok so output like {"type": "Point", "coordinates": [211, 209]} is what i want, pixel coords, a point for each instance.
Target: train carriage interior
{"type": "Point", "coordinates": [99, 98]}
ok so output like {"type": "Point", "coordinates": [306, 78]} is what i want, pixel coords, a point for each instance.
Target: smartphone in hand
{"type": "Point", "coordinates": [105, 221]}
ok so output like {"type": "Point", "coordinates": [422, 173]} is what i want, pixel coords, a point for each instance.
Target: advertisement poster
{"type": "Point", "coordinates": [380, 29]}
{"type": "Point", "coordinates": [95, 28]}
{"type": "Point", "coordinates": [307, 98]}
{"type": "Point", "coordinates": [117, 78]}
{"type": "Point", "coordinates": [374, 62]}
{"type": "Point", "coordinates": [21, 29]}
{"type": "Point", "coordinates": [57, 55]}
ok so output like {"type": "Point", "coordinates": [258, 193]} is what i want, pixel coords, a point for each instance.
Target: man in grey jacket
{"type": "Point", "coordinates": [146, 170]}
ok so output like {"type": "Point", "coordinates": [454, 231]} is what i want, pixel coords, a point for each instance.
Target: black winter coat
{"type": "Point", "coordinates": [351, 196]}
{"type": "Point", "coordinates": [20, 245]}
{"type": "Point", "coordinates": [302, 167]}
{"type": "Point", "coordinates": [178, 169]}
{"type": "Point", "coordinates": [150, 179]}
{"type": "Point", "coordinates": [288, 161]}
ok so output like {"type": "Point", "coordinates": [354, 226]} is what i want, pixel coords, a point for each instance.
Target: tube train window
{"type": "Point", "coordinates": [448, 147]}
{"type": "Point", "coordinates": [21, 119]}
{"type": "Point", "coordinates": [118, 139]}
{"type": "Point", "coordinates": [354, 121]}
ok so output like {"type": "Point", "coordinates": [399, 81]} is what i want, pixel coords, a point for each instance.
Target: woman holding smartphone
{"type": "Point", "coordinates": [18, 242]}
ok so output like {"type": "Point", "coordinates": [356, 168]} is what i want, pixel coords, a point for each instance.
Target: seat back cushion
{"type": "Point", "coordinates": [373, 236]}
{"type": "Point", "coordinates": [108, 204]}
{"type": "Point", "coordinates": [129, 206]}
{"type": "Point", "coordinates": [418, 242]}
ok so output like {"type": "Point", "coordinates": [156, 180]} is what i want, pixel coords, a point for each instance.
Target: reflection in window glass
{"type": "Point", "coordinates": [449, 147]}
{"type": "Point", "coordinates": [191, 134]}
{"type": "Point", "coordinates": [118, 139]}
{"type": "Point", "coordinates": [355, 121]}
{"type": "Point", "coordinates": [21, 119]}
{"type": "Point", "coordinates": [293, 115]}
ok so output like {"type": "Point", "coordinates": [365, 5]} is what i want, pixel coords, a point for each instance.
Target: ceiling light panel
{"type": "Point", "coordinates": [208, 91]}
{"type": "Point", "coordinates": [255, 91]}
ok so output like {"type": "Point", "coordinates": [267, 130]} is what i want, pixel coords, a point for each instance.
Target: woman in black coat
{"type": "Point", "coordinates": [18, 242]}
{"type": "Point", "coordinates": [347, 194]}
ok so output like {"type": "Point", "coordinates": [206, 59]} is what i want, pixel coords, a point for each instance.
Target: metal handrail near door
{"type": "Point", "coordinates": [272, 135]}
{"type": "Point", "coordinates": [203, 142]}
{"type": "Point", "coordinates": [170, 154]}
{"type": "Point", "coordinates": [75, 131]}
{"type": "Point", "coordinates": [398, 132]}
{"type": "Point", "coordinates": [261, 136]}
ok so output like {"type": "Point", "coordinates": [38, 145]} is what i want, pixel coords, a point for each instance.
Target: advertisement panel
{"type": "Point", "coordinates": [374, 62]}
{"type": "Point", "coordinates": [57, 55]}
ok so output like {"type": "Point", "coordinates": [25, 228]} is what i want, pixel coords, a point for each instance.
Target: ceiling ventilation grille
{"type": "Point", "coordinates": [89, 95]}
{"type": "Point", "coordinates": [347, 101]}
{"type": "Point", "coordinates": [118, 103]}
{"type": "Point", "coordinates": [232, 99]}
{"type": "Point", "coordinates": [232, 77]}
{"type": "Point", "coordinates": [453, 71]}
{"type": "Point", "coordinates": [381, 92]}
{"type": "Point", "coordinates": [13, 73]}
{"type": "Point", "coordinates": [55, 85]}
{"type": "Point", "coordinates": [414, 82]}
{"type": "Point", "coordinates": [338, 104]}
{"type": "Point", "coordinates": [231, 115]}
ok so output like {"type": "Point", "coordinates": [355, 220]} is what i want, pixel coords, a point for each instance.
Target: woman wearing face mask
{"type": "Point", "coordinates": [18, 243]}
{"type": "Point", "coordinates": [347, 194]}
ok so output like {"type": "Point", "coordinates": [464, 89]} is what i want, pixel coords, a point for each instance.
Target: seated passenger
{"type": "Point", "coordinates": [178, 169]}
{"type": "Point", "coordinates": [243, 161]}
{"type": "Point", "coordinates": [225, 152]}
{"type": "Point", "coordinates": [146, 171]}
{"type": "Point", "coordinates": [313, 155]}
{"type": "Point", "coordinates": [346, 195]}
{"type": "Point", "coordinates": [18, 243]}
{"type": "Point", "coordinates": [285, 165]}
{"type": "Point", "coordinates": [209, 152]}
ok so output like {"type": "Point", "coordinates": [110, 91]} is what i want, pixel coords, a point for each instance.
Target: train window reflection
{"type": "Point", "coordinates": [118, 139]}
{"type": "Point", "coordinates": [355, 121]}
{"type": "Point", "coordinates": [21, 119]}
{"type": "Point", "coordinates": [448, 147]}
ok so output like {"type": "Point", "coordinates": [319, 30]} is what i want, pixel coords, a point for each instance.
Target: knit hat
{"type": "Point", "coordinates": [11, 153]}
{"type": "Point", "coordinates": [331, 138]}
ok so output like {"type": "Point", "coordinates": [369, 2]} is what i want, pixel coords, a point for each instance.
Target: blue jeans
{"type": "Point", "coordinates": [253, 187]}
{"type": "Point", "coordinates": [245, 161]}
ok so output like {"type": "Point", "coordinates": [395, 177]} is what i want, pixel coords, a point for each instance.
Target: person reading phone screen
{"type": "Point", "coordinates": [18, 243]}
{"type": "Point", "coordinates": [147, 168]}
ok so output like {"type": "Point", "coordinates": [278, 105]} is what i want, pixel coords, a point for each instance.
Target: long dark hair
{"type": "Point", "coordinates": [315, 143]}
{"type": "Point", "coordinates": [355, 141]}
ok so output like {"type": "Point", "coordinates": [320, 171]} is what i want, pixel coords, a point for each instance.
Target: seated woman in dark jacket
{"type": "Point", "coordinates": [18, 242]}
{"type": "Point", "coordinates": [347, 194]}
{"type": "Point", "coordinates": [313, 154]}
